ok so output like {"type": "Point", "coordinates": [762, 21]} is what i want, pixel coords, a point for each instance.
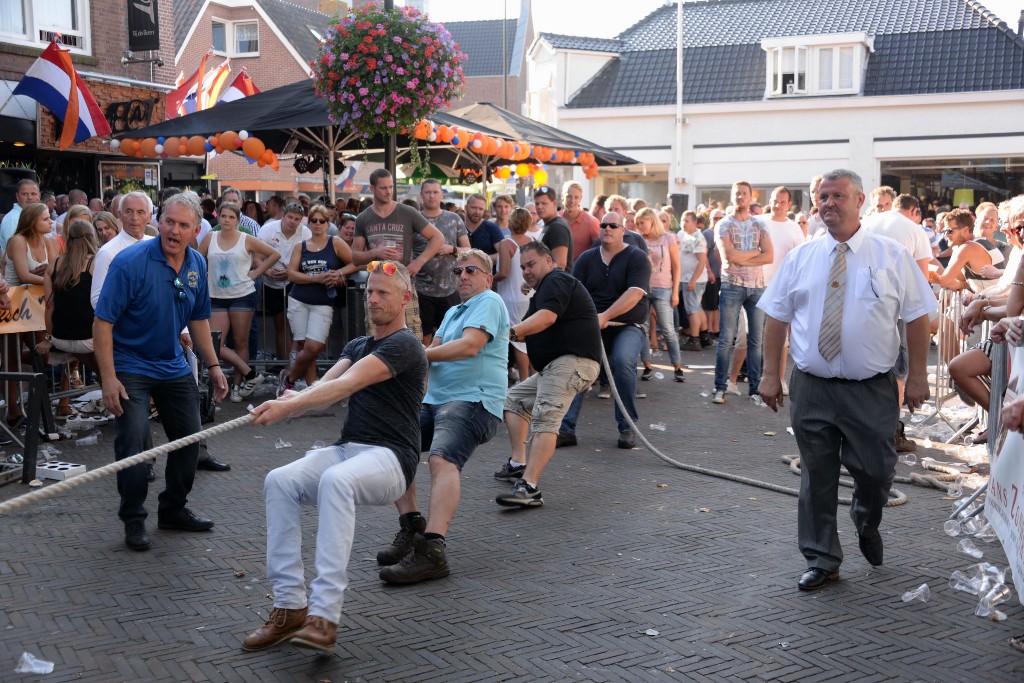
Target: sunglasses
{"type": "Point", "coordinates": [472, 270]}
{"type": "Point", "coordinates": [347, 215]}
{"type": "Point", "coordinates": [386, 267]}
{"type": "Point", "coordinates": [180, 286]}
{"type": "Point", "coordinates": [610, 226]}
{"type": "Point", "coordinates": [317, 220]}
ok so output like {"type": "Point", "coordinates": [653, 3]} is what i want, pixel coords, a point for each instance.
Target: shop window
{"type": "Point", "coordinates": [36, 22]}
{"type": "Point", "coordinates": [816, 65]}
{"type": "Point", "coordinates": [236, 39]}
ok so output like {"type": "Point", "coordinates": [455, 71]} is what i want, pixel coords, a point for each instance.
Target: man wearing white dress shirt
{"type": "Point", "coordinates": [841, 295]}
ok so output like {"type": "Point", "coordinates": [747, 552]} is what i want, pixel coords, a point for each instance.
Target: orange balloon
{"type": "Point", "coordinates": [253, 148]}
{"type": "Point", "coordinates": [275, 164]}
{"type": "Point", "coordinates": [196, 145]}
{"type": "Point", "coordinates": [127, 147]}
{"type": "Point", "coordinates": [227, 139]}
{"type": "Point", "coordinates": [260, 162]}
{"type": "Point", "coordinates": [171, 147]}
{"type": "Point", "coordinates": [148, 147]}
{"type": "Point", "coordinates": [214, 140]}
{"type": "Point", "coordinates": [422, 130]}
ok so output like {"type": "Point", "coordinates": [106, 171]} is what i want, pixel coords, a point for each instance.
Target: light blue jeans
{"type": "Point", "coordinates": [661, 302]}
{"type": "Point", "coordinates": [335, 478]}
{"type": "Point", "coordinates": [734, 301]}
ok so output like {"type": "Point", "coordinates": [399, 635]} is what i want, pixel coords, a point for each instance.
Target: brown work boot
{"type": "Point", "coordinates": [903, 444]}
{"type": "Point", "coordinates": [282, 625]}
{"type": "Point", "coordinates": [409, 525]}
{"type": "Point", "coordinates": [317, 634]}
{"type": "Point", "coordinates": [426, 561]}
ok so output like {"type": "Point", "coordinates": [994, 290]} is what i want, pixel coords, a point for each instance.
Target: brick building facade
{"type": "Point", "coordinates": [130, 95]}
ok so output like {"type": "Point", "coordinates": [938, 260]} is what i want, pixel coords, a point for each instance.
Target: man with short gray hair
{"type": "Point", "coordinates": [151, 291]}
{"type": "Point", "coordinates": [27, 193]}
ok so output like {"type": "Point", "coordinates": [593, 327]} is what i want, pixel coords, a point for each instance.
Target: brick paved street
{"type": "Point", "coordinates": [632, 570]}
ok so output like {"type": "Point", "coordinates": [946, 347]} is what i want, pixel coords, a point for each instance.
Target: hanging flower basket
{"type": "Point", "coordinates": [383, 70]}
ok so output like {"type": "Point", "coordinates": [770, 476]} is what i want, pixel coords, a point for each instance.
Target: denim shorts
{"type": "Point", "coordinates": [453, 430]}
{"type": "Point", "coordinates": [242, 303]}
{"type": "Point", "coordinates": [692, 300]}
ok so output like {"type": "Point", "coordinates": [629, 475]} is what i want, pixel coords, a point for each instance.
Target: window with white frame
{"type": "Point", "coordinates": [36, 22]}
{"type": "Point", "coordinates": [236, 38]}
{"type": "Point", "coordinates": [816, 65]}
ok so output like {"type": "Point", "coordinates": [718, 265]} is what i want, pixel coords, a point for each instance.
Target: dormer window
{"type": "Point", "coordinates": [816, 65]}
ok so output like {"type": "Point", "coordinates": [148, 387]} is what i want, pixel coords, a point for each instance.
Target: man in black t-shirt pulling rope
{"type": "Point", "coordinates": [563, 342]}
{"type": "Point", "coordinates": [373, 463]}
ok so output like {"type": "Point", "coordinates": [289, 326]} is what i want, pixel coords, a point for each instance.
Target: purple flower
{"type": "Point", "coordinates": [364, 91]}
{"type": "Point", "coordinates": [397, 39]}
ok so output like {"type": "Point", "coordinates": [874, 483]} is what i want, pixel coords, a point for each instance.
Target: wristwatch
{"type": "Point", "coordinates": [512, 336]}
{"type": "Point", "coordinates": [48, 338]}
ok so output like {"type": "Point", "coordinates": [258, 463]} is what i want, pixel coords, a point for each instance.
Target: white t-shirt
{"type": "Point", "coordinates": [786, 236]}
{"type": "Point", "coordinates": [271, 234]}
{"type": "Point", "coordinates": [104, 256]}
{"type": "Point", "coordinates": [895, 225]}
{"type": "Point", "coordinates": [689, 246]}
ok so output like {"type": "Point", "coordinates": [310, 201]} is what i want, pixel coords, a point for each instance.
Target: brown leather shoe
{"type": "Point", "coordinates": [282, 625]}
{"type": "Point", "coordinates": [317, 634]}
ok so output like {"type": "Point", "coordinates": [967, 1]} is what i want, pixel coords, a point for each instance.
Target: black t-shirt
{"type": "Point", "coordinates": [388, 413]}
{"type": "Point", "coordinates": [606, 283]}
{"type": "Point", "coordinates": [576, 331]}
{"type": "Point", "coordinates": [486, 235]}
{"type": "Point", "coordinates": [557, 234]}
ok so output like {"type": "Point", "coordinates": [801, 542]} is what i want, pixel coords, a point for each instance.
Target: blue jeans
{"type": "Point", "coordinates": [733, 300]}
{"type": "Point", "coordinates": [453, 430]}
{"type": "Point", "coordinates": [623, 346]}
{"type": "Point", "coordinates": [661, 302]}
{"type": "Point", "coordinates": [177, 401]}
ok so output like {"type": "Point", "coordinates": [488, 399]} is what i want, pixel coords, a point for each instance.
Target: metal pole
{"type": "Point", "coordinates": [504, 55]}
{"type": "Point", "coordinates": [677, 163]}
{"type": "Point", "coordinates": [390, 144]}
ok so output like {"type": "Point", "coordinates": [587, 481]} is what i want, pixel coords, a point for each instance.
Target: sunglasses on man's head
{"type": "Point", "coordinates": [472, 270]}
{"type": "Point", "coordinates": [386, 267]}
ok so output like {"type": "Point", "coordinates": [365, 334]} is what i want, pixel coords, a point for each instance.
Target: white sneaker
{"type": "Point", "coordinates": [731, 388]}
{"type": "Point", "coordinates": [785, 388]}
{"type": "Point", "coordinates": [236, 397]}
{"type": "Point", "coordinates": [719, 397]}
{"type": "Point", "coordinates": [758, 401]}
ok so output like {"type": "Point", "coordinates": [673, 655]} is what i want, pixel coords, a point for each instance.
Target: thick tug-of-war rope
{"type": "Point", "coordinates": [895, 497]}
{"type": "Point", "coordinates": [151, 454]}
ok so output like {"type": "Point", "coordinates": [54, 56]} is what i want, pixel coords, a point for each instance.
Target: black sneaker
{"type": "Point", "coordinates": [647, 374]}
{"type": "Point", "coordinates": [426, 561]}
{"type": "Point", "coordinates": [691, 344]}
{"type": "Point", "coordinates": [705, 340]}
{"type": "Point", "coordinates": [509, 472]}
{"type": "Point", "coordinates": [522, 495]}
{"type": "Point", "coordinates": [563, 440]}
{"type": "Point", "coordinates": [680, 375]}
{"type": "Point", "coordinates": [402, 544]}
{"type": "Point", "coordinates": [626, 439]}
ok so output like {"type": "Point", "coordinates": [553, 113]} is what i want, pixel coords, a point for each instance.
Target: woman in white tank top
{"type": "Point", "coordinates": [234, 260]}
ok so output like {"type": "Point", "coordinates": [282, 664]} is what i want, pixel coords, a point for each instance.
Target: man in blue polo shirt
{"type": "Point", "coordinates": [461, 410]}
{"type": "Point", "coordinates": [153, 289]}
{"type": "Point", "coordinates": [618, 277]}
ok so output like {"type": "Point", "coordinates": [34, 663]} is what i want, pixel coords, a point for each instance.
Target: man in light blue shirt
{"type": "Point", "coordinates": [28, 193]}
{"type": "Point", "coordinates": [462, 408]}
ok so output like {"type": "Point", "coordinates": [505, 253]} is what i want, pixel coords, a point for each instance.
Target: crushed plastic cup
{"type": "Point", "coordinates": [927, 442]}
{"type": "Point", "coordinates": [954, 490]}
{"type": "Point", "coordinates": [967, 547]}
{"type": "Point", "coordinates": [281, 443]}
{"type": "Point", "coordinates": [959, 581]}
{"type": "Point", "coordinates": [704, 392]}
{"type": "Point", "coordinates": [658, 426]}
{"type": "Point", "coordinates": [30, 664]}
{"type": "Point", "coordinates": [317, 445]}
{"type": "Point", "coordinates": [920, 594]}
{"type": "Point", "coordinates": [659, 375]}
{"type": "Point", "coordinates": [14, 459]}
{"type": "Point", "coordinates": [986, 534]}
{"type": "Point", "coordinates": [908, 459]}
{"type": "Point", "coordinates": [998, 594]}
{"type": "Point", "coordinates": [952, 527]}
{"type": "Point", "coordinates": [88, 440]}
